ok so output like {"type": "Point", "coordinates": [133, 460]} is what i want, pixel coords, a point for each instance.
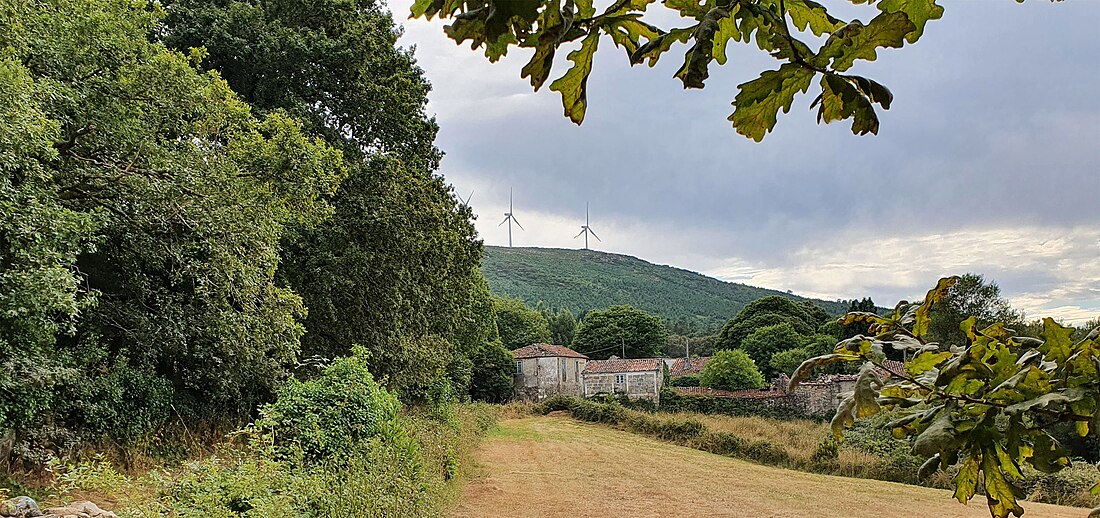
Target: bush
{"type": "Point", "coordinates": [331, 414]}
{"type": "Point", "coordinates": [778, 408]}
{"type": "Point", "coordinates": [731, 370]}
{"type": "Point", "coordinates": [689, 380]}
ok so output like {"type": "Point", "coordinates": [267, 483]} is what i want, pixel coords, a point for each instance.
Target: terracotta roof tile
{"type": "Point", "coordinates": [623, 365]}
{"type": "Point", "coordinates": [686, 366]}
{"type": "Point", "coordinates": [546, 350]}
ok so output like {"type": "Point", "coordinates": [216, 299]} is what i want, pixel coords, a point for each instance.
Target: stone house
{"type": "Point", "coordinates": [544, 370]}
{"type": "Point", "coordinates": [640, 378]}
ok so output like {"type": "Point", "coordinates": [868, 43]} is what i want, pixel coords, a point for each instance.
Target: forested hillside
{"type": "Point", "coordinates": [580, 280]}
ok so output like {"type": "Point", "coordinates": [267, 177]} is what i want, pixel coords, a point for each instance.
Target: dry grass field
{"type": "Point", "coordinates": [557, 467]}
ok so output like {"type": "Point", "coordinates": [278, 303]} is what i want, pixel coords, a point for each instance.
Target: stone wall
{"type": "Point", "coordinates": [540, 378]}
{"type": "Point", "coordinates": [636, 385]}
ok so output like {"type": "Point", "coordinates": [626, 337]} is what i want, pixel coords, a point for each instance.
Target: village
{"type": "Point", "coordinates": [547, 370]}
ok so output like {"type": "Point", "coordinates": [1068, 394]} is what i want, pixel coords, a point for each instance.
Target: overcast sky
{"type": "Point", "coordinates": [988, 161]}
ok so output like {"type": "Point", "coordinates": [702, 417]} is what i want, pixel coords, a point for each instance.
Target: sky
{"type": "Point", "coordinates": [988, 161]}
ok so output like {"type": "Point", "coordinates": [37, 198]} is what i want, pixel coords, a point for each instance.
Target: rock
{"type": "Point", "coordinates": [80, 509]}
{"type": "Point", "coordinates": [20, 507]}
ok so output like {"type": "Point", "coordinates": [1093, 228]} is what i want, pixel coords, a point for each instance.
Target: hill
{"type": "Point", "coordinates": [580, 280]}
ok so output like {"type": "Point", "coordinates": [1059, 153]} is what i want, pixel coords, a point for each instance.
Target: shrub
{"type": "Point", "coordinates": [689, 380]}
{"type": "Point", "coordinates": [329, 415]}
{"type": "Point", "coordinates": [731, 370]}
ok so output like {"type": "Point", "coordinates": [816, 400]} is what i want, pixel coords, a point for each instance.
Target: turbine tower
{"type": "Point", "coordinates": [509, 218]}
{"type": "Point", "coordinates": [586, 229]}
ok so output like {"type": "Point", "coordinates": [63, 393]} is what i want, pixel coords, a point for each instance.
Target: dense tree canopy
{"type": "Point", "coordinates": [766, 342]}
{"type": "Point", "coordinates": [398, 259]}
{"type": "Point", "coordinates": [519, 325]}
{"type": "Point", "coordinates": [606, 332]}
{"type": "Point", "coordinates": [562, 326]}
{"type": "Point", "coordinates": [147, 208]}
{"type": "Point", "coordinates": [731, 370]}
{"type": "Point", "coordinates": [805, 36]}
{"type": "Point", "coordinates": [804, 317]}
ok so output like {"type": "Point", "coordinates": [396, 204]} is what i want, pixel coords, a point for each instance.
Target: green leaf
{"type": "Point", "coordinates": [694, 71]}
{"type": "Point", "coordinates": [1068, 396]}
{"type": "Point", "coordinates": [866, 391]}
{"type": "Point", "coordinates": [929, 467]}
{"type": "Point", "coordinates": [925, 361]}
{"type": "Point", "coordinates": [727, 30]}
{"type": "Point", "coordinates": [653, 48]}
{"type": "Point", "coordinates": [627, 31]}
{"type": "Point", "coordinates": [759, 101]}
{"type": "Point", "coordinates": [1000, 493]}
{"type": "Point", "coordinates": [812, 15]}
{"type": "Point", "coordinates": [1057, 346]}
{"type": "Point", "coordinates": [918, 11]}
{"type": "Point", "coordinates": [841, 100]}
{"type": "Point", "coordinates": [966, 480]}
{"type": "Point", "coordinates": [937, 437]}
{"type": "Point", "coordinates": [856, 41]}
{"type": "Point", "coordinates": [573, 86]}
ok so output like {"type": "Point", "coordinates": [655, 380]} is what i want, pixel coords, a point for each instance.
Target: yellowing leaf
{"type": "Point", "coordinates": [925, 361]}
{"type": "Point", "coordinates": [573, 86]}
{"type": "Point", "coordinates": [857, 41]}
{"type": "Point", "coordinates": [966, 480]}
{"type": "Point", "coordinates": [918, 11]}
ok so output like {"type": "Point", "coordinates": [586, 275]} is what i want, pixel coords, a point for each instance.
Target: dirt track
{"type": "Point", "coordinates": [558, 467]}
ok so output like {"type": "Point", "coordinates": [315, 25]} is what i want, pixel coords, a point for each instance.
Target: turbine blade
{"type": "Point", "coordinates": [595, 236]}
{"type": "Point", "coordinates": [503, 222]}
{"type": "Point", "coordinates": [578, 234]}
{"type": "Point", "coordinates": [470, 197]}
{"type": "Point", "coordinates": [517, 223]}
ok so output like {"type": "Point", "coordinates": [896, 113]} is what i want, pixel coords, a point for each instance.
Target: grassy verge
{"type": "Point", "coordinates": [808, 446]}
{"type": "Point", "coordinates": [239, 478]}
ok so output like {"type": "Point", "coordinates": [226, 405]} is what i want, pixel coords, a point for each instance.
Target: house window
{"type": "Point", "coordinates": [619, 379]}
{"type": "Point", "coordinates": [519, 367]}
{"type": "Point", "coordinates": [564, 373]}
{"type": "Point", "coordinates": [576, 370]}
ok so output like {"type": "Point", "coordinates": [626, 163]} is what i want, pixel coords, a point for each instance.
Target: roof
{"type": "Point", "coordinates": [546, 350]}
{"type": "Point", "coordinates": [686, 366]}
{"type": "Point", "coordinates": [623, 365]}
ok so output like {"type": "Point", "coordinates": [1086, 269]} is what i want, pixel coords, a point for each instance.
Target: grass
{"type": "Point", "coordinates": [581, 469]}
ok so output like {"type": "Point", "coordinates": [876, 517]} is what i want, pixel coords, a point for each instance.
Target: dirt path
{"type": "Point", "coordinates": [558, 467]}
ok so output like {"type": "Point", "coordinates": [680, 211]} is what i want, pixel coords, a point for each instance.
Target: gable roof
{"type": "Point", "coordinates": [623, 365]}
{"type": "Point", "coordinates": [546, 350]}
{"type": "Point", "coordinates": [686, 366]}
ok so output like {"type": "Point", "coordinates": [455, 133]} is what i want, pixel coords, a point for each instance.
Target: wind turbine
{"type": "Point", "coordinates": [509, 218]}
{"type": "Point", "coordinates": [465, 202]}
{"type": "Point", "coordinates": [585, 229]}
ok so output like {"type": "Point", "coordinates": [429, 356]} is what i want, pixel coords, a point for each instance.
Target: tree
{"type": "Point", "coordinates": [857, 328]}
{"type": "Point", "coordinates": [562, 326]}
{"type": "Point", "coordinates": [519, 325]}
{"type": "Point", "coordinates": [606, 332]}
{"type": "Point", "coordinates": [731, 370]}
{"type": "Point", "coordinates": [397, 263]}
{"type": "Point", "coordinates": [971, 296]}
{"type": "Point", "coordinates": [766, 342]}
{"type": "Point", "coordinates": [786, 362]}
{"type": "Point", "coordinates": [780, 28]}
{"type": "Point", "coordinates": [985, 407]}
{"type": "Point", "coordinates": [493, 371]}
{"type": "Point", "coordinates": [166, 199]}
{"type": "Point", "coordinates": [804, 317]}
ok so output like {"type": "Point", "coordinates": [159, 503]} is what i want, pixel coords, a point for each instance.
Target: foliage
{"type": "Point", "coordinates": [731, 370]}
{"type": "Point", "coordinates": [148, 204]}
{"type": "Point", "coordinates": [519, 325]}
{"type": "Point", "coordinates": [583, 280]}
{"type": "Point", "coordinates": [803, 35]}
{"type": "Point", "coordinates": [329, 416]}
{"type": "Point", "coordinates": [779, 408]}
{"type": "Point", "coordinates": [606, 332]}
{"type": "Point", "coordinates": [562, 326]}
{"type": "Point", "coordinates": [857, 328]}
{"type": "Point", "coordinates": [971, 296]}
{"type": "Point", "coordinates": [786, 362]}
{"type": "Point", "coordinates": [687, 380]}
{"type": "Point", "coordinates": [493, 372]}
{"type": "Point", "coordinates": [803, 316]}
{"type": "Point", "coordinates": [765, 342]}
{"type": "Point", "coordinates": [336, 65]}
{"type": "Point", "coordinates": [984, 408]}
